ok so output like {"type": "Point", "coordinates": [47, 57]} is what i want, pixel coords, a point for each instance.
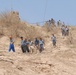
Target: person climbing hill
{"type": "Point", "coordinates": [53, 38]}
{"type": "Point", "coordinates": [11, 47]}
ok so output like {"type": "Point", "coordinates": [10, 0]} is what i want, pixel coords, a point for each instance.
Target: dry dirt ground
{"type": "Point", "coordinates": [60, 60]}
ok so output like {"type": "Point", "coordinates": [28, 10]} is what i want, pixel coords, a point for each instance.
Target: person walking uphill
{"type": "Point", "coordinates": [53, 40]}
{"type": "Point", "coordinates": [41, 43]}
{"type": "Point", "coordinates": [63, 30]}
{"type": "Point", "coordinates": [11, 47]}
{"type": "Point", "coordinates": [22, 45]}
{"type": "Point", "coordinates": [66, 31]}
{"type": "Point", "coordinates": [36, 43]}
{"type": "Point", "coordinates": [26, 46]}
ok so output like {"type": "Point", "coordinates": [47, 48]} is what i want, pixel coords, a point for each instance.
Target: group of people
{"type": "Point", "coordinates": [64, 30]}
{"type": "Point", "coordinates": [27, 45]}
{"type": "Point", "coordinates": [51, 22]}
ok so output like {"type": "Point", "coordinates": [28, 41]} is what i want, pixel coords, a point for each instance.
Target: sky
{"type": "Point", "coordinates": [34, 11]}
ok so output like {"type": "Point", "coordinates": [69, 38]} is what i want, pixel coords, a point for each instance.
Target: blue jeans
{"type": "Point", "coordinates": [11, 47]}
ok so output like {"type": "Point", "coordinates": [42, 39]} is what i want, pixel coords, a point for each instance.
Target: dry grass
{"type": "Point", "coordinates": [11, 25]}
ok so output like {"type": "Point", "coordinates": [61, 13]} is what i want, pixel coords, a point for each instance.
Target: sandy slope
{"type": "Point", "coordinates": [52, 61]}
{"type": "Point", "coordinates": [60, 60]}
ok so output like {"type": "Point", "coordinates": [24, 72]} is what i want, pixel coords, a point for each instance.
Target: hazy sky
{"type": "Point", "coordinates": [33, 11]}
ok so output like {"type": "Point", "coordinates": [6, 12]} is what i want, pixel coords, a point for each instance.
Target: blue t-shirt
{"type": "Point", "coordinates": [36, 42]}
{"type": "Point", "coordinates": [41, 42]}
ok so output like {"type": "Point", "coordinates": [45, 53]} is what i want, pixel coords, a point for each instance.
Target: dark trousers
{"type": "Point", "coordinates": [25, 49]}
{"type": "Point", "coordinates": [54, 42]}
{"type": "Point", "coordinates": [22, 47]}
{"type": "Point", "coordinates": [41, 48]}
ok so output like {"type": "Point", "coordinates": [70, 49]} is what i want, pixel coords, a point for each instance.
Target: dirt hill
{"type": "Point", "coordinates": [60, 60]}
